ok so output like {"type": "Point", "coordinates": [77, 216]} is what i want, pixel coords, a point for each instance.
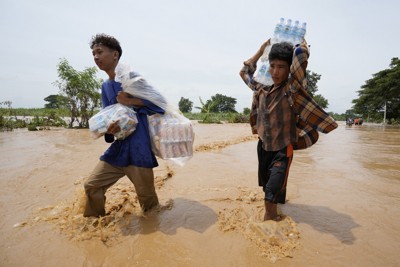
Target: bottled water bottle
{"type": "Point", "coordinates": [262, 74]}
{"type": "Point", "coordinates": [302, 32]}
{"type": "Point", "coordinates": [278, 31]}
{"type": "Point", "coordinates": [282, 33]}
{"type": "Point", "coordinates": [294, 33]}
{"type": "Point", "coordinates": [278, 34]}
{"type": "Point", "coordinates": [287, 30]}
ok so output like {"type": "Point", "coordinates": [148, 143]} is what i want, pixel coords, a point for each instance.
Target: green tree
{"type": "Point", "coordinates": [312, 80]}
{"type": "Point", "coordinates": [380, 92]}
{"type": "Point", "coordinates": [81, 89]}
{"type": "Point", "coordinates": [56, 101]}
{"type": "Point", "coordinates": [222, 103]}
{"type": "Point", "coordinates": [312, 88]}
{"type": "Point", "coordinates": [207, 108]}
{"type": "Point", "coordinates": [322, 101]}
{"type": "Point", "coordinates": [185, 105]}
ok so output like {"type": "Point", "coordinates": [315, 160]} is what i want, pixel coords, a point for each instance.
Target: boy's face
{"type": "Point", "coordinates": [105, 58]}
{"type": "Point", "coordinates": [279, 70]}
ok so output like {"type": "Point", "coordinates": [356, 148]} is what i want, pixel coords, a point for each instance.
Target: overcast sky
{"type": "Point", "coordinates": [193, 49]}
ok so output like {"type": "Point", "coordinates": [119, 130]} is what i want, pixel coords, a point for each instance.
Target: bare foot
{"type": "Point", "coordinates": [271, 211]}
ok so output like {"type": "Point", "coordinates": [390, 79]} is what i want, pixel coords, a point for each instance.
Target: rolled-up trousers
{"type": "Point", "coordinates": [105, 175]}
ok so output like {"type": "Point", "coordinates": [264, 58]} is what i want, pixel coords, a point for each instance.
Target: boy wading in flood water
{"type": "Point", "coordinates": [132, 156]}
{"type": "Point", "coordinates": [284, 116]}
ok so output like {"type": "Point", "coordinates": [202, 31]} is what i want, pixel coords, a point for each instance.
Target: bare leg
{"type": "Point", "coordinates": [271, 211]}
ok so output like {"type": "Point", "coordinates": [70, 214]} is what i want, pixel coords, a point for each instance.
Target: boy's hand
{"type": "Point", "coordinates": [128, 100]}
{"type": "Point", "coordinates": [124, 98]}
{"type": "Point", "coordinates": [253, 60]}
{"type": "Point", "coordinates": [264, 45]}
{"type": "Point", "coordinates": [113, 128]}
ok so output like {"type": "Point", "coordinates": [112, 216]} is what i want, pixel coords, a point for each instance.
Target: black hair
{"type": "Point", "coordinates": [281, 51]}
{"type": "Point", "coordinates": [107, 41]}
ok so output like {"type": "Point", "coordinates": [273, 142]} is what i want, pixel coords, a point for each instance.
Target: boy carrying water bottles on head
{"type": "Point", "coordinates": [283, 115]}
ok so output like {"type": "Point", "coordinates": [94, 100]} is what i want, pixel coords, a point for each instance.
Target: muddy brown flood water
{"type": "Point", "coordinates": [343, 204]}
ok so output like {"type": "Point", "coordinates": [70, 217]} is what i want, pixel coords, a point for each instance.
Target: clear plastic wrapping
{"type": "Point", "coordinates": [172, 136]}
{"type": "Point", "coordinates": [125, 116]}
{"type": "Point", "coordinates": [134, 84]}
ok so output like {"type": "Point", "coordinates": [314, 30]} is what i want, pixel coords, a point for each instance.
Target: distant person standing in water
{"type": "Point", "coordinates": [132, 156]}
{"type": "Point", "coordinates": [284, 116]}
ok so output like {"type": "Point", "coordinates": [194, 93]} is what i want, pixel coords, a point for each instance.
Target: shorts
{"type": "Point", "coordinates": [273, 171]}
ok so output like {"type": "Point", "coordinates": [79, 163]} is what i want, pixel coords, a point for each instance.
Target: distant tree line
{"type": "Point", "coordinates": [224, 104]}
{"type": "Point", "coordinates": [380, 96]}
{"type": "Point", "coordinates": [79, 98]}
{"type": "Point", "coordinates": [31, 118]}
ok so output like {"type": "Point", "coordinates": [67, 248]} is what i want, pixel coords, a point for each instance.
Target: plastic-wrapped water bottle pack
{"type": "Point", "coordinates": [126, 117]}
{"type": "Point", "coordinates": [171, 134]}
{"type": "Point", "coordinates": [283, 32]}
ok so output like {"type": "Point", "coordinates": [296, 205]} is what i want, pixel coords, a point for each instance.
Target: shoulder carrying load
{"type": "Point", "coordinates": [171, 134]}
{"type": "Point", "coordinates": [125, 116]}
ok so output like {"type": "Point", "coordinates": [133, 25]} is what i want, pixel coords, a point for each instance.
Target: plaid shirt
{"type": "Point", "coordinates": [286, 114]}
